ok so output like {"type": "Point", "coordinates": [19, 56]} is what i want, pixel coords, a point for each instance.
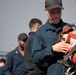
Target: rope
{"type": "Point", "coordinates": [68, 71]}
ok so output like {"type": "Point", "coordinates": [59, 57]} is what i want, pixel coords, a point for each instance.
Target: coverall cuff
{"type": "Point", "coordinates": [52, 51]}
{"type": "Point", "coordinates": [49, 51]}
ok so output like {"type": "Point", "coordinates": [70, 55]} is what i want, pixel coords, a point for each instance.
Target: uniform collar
{"type": "Point", "coordinates": [31, 33]}
{"type": "Point", "coordinates": [53, 26]}
{"type": "Point", "coordinates": [18, 52]}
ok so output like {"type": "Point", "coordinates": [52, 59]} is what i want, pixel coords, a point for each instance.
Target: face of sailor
{"type": "Point", "coordinates": [21, 44]}
{"type": "Point", "coordinates": [2, 64]}
{"type": "Point", "coordinates": [54, 15]}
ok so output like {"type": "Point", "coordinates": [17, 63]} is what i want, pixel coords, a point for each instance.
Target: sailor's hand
{"type": "Point", "coordinates": [61, 47]}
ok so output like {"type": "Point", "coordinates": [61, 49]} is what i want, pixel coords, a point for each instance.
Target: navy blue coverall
{"type": "Point", "coordinates": [42, 52]}
{"type": "Point", "coordinates": [1, 70]}
{"type": "Point", "coordinates": [14, 63]}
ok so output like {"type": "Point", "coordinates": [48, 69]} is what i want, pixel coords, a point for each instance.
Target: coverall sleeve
{"type": "Point", "coordinates": [8, 65]}
{"type": "Point", "coordinates": [38, 51]}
